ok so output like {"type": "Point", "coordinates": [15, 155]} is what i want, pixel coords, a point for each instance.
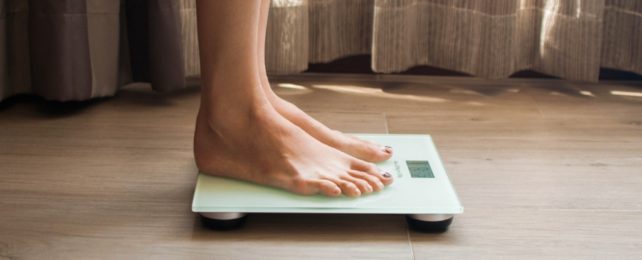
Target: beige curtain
{"type": "Point", "coordinates": [79, 49]}
{"type": "Point", "coordinates": [571, 39]}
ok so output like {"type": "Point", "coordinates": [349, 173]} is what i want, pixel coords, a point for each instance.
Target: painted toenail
{"type": "Point", "coordinates": [387, 175]}
{"type": "Point", "coordinates": [387, 149]}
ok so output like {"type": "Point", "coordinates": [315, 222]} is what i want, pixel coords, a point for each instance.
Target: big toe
{"type": "Point", "coordinates": [369, 168]}
{"type": "Point", "coordinates": [366, 150]}
{"type": "Point", "coordinates": [313, 187]}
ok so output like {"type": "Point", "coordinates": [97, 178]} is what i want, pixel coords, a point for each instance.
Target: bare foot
{"type": "Point", "coordinates": [348, 144]}
{"type": "Point", "coordinates": [257, 144]}
{"type": "Point", "coordinates": [239, 133]}
{"type": "Point", "coordinates": [354, 146]}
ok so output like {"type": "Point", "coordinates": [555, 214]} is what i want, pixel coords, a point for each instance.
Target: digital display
{"type": "Point", "coordinates": [420, 169]}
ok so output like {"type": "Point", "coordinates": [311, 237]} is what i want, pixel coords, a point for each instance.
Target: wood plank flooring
{"type": "Point", "coordinates": [545, 169]}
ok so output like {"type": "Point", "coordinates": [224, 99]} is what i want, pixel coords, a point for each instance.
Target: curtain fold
{"type": "Point", "coordinates": [15, 54]}
{"type": "Point", "coordinates": [622, 38]}
{"type": "Point", "coordinates": [155, 40]}
{"type": "Point", "coordinates": [492, 38]}
{"type": "Point", "coordinates": [79, 49]}
{"type": "Point", "coordinates": [4, 71]}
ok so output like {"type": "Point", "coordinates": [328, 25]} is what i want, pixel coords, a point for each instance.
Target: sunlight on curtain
{"type": "Point", "coordinates": [551, 9]}
{"type": "Point", "coordinates": [288, 3]}
{"type": "Point", "coordinates": [287, 40]}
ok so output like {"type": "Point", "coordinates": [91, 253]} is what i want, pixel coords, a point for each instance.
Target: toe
{"type": "Point", "coordinates": [363, 185]}
{"type": "Point", "coordinates": [329, 188]}
{"type": "Point", "coordinates": [385, 177]}
{"type": "Point", "coordinates": [374, 181]}
{"type": "Point", "coordinates": [313, 187]}
{"type": "Point", "coordinates": [368, 151]}
{"type": "Point", "coordinates": [347, 188]}
{"type": "Point", "coordinates": [305, 187]}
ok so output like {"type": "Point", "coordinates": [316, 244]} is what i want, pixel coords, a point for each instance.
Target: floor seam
{"type": "Point", "coordinates": [385, 121]}
{"type": "Point", "coordinates": [412, 249]}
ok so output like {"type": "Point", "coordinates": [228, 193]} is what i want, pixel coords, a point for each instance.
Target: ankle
{"type": "Point", "coordinates": [230, 115]}
{"type": "Point", "coordinates": [225, 96]}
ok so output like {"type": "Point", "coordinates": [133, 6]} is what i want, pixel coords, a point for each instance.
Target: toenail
{"type": "Point", "coordinates": [387, 149]}
{"type": "Point", "coordinates": [387, 175]}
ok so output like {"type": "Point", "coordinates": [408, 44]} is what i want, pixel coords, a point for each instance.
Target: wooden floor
{"type": "Point", "coordinates": [544, 168]}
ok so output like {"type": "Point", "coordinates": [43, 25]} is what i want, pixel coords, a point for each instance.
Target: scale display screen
{"type": "Point", "coordinates": [420, 169]}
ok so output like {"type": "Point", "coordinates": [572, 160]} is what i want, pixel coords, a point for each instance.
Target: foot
{"type": "Point", "coordinates": [351, 145]}
{"type": "Point", "coordinates": [258, 144]}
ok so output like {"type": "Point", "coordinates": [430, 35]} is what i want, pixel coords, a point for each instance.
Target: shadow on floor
{"type": "Point", "coordinates": [310, 227]}
{"type": "Point", "coordinates": [137, 94]}
{"type": "Point", "coordinates": [48, 108]}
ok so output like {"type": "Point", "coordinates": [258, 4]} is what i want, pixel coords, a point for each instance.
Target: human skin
{"type": "Point", "coordinates": [245, 131]}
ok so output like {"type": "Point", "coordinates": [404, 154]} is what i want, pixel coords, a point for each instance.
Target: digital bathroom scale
{"type": "Point", "coordinates": [421, 191]}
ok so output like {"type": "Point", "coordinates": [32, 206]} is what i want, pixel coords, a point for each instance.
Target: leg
{"type": "Point", "coordinates": [351, 145]}
{"type": "Point", "coordinates": [238, 132]}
